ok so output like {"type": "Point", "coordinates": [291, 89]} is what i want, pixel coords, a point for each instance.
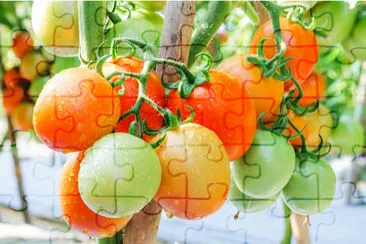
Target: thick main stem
{"type": "Point", "coordinates": [92, 16]}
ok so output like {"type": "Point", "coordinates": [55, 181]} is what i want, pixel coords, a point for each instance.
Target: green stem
{"type": "Point", "coordinates": [209, 23]}
{"type": "Point", "coordinates": [92, 16]}
{"type": "Point", "coordinates": [288, 232]}
{"type": "Point", "coordinates": [249, 11]}
{"type": "Point", "coordinates": [117, 238]}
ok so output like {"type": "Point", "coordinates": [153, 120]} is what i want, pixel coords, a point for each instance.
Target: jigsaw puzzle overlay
{"type": "Point", "coordinates": [260, 140]}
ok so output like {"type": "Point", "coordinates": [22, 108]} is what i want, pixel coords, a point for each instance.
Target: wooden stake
{"type": "Point", "coordinates": [300, 229]}
{"type": "Point", "coordinates": [175, 44]}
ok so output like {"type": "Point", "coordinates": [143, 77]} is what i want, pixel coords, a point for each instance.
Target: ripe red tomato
{"type": "Point", "coordinates": [224, 106]}
{"type": "Point", "coordinates": [154, 90]}
{"type": "Point", "coordinates": [22, 44]}
{"type": "Point", "coordinates": [12, 97]}
{"type": "Point", "coordinates": [75, 108]}
{"type": "Point", "coordinates": [313, 89]}
{"type": "Point", "coordinates": [195, 172]}
{"type": "Point", "coordinates": [22, 116]}
{"type": "Point", "coordinates": [78, 216]}
{"type": "Point", "coordinates": [301, 46]}
{"type": "Point", "coordinates": [267, 93]}
{"type": "Point", "coordinates": [11, 77]}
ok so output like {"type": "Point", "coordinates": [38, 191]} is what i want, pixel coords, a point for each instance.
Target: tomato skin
{"type": "Point", "coordinates": [22, 116]}
{"type": "Point", "coordinates": [34, 64]}
{"type": "Point", "coordinates": [22, 44]}
{"type": "Point", "coordinates": [12, 97]}
{"type": "Point", "coordinates": [78, 216]}
{"type": "Point", "coordinates": [266, 168]}
{"type": "Point", "coordinates": [311, 188]}
{"type": "Point", "coordinates": [247, 204]}
{"type": "Point", "coordinates": [320, 123]}
{"type": "Point", "coordinates": [119, 175]}
{"type": "Point", "coordinates": [59, 35]}
{"type": "Point", "coordinates": [302, 47]}
{"type": "Point", "coordinates": [224, 106]}
{"type": "Point", "coordinates": [267, 93]}
{"type": "Point", "coordinates": [301, 123]}
{"type": "Point", "coordinates": [313, 89]}
{"type": "Point", "coordinates": [348, 136]}
{"type": "Point", "coordinates": [356, 42]}
{"type": "Point", "coordinates": [11, 77]}
{"type": "Point", "coordinates": [75, 108]}
{"type": "Point", "coordinates": [154, 90]}
{"type": "Point", "coordinates": [153, 6]}
{"type": "Point", "coordinates": [327, 17]}
{"type": "Point", "coordinates": [195, 179]}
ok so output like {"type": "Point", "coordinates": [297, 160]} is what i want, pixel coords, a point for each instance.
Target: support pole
{"type": "Point", "coordinates": [175, 44]}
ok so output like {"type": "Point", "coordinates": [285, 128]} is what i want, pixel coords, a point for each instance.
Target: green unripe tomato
{"type": "Point", "coordinates": [356, 41]}
{"type": "Point", "coordinates": [348, 137]}
{"type": "Point", "coordinates": [119, 175]}
{"type": "Point", "coordinates": [37, 86]}
{"type": "Point", "coordinates": [247, 204]}
{"type": "Point", "coordinates": [336, 19]}
{"type": "Point", "coordinates": [311, 188]}
{"type": "Point", "coordinates": [266, 167]}
{"type": "Point", "coordinates": [151, 5]}
{"type": "Point", "coordinates": [62, 63]}
{"type": "Point", "coordinates": [55, 26]}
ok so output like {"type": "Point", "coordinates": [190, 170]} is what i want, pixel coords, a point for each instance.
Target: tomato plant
{"type": "Point", "coordinates": [195, 179]}
{"type": "Point", "coordinates": [266, 93]}
{"type": "Point", "coordinates": [348, 136]}
{"type": "Point", "coordinates": [313, 88]}
{"type": "Point", "coordinates": [78, 216]}
{"type": "Point", "coordinates": [154, 90]}
{"type": "Point", "coordinates": [247, 204]}
{"type": "Point", "coordinates": [61, 63]}
{"type": "Point", "coordinates": [22, 44]}
{"type": "Point", "coordinates": [55, 25]}
{"type": "Point", "coordinates": [119, 175]}
{"type": "Point", "coordinates": [66, 127]}
{"type": "Point", "coordinates": [12, 97]}
{"type": "Point", "coordinates": [11, 77]}
{"type": "Point", "coordinates": [224, 106]}
{"type": "Point", "coordinates": [22, 115]}
{"type": "Point", "coordinates": [267, 166]}
{"type": "Point", "coordinates": [311, 189]}
{"type": "Point", "coordinates": [333, 28]}
{"type": "Point", "coordinates": [36, 87]}
{"type": "Point", "coordinates": [355, 41]}
{"type": "Point", "coordinates": [301, 123]}
{"type": "Point", "coordinates": [34, 64]}
{"type": "Point", "coordinates": [301, 47]}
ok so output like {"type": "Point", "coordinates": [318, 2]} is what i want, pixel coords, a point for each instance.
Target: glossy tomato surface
{"type": "Point", "coordinates": [224, 106]}
{"type": "Point", "coordinates": [75, 108]}
{"type": "Point", "coordinates": [78, 216]}
{"type": "Point", "coordinates": [196, 172]}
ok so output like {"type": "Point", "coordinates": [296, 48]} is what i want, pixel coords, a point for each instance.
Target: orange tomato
{"type": "Point", "coordinates": [195, 172]}
{"type": "Point", "coordinates": [12, 97]}
{"type": "Point", "coordinates": [224, 106]}
{"type": "Point", "coordinates": [301, 47]}
{"type": "Point", "coordinates": [267, 93]}
{"type": "Point", "coordinates": [78, 216]}
{"type": "Point", "coordinates": [22, 116]}
{"type": "Point", "coordinates": [75, 108]}
{"type": "Point", "coordinates": [22, 44]}
{"type": "Point", "coordinates": [313, 89]}
{"type": "Point", "coordinates": [154, 90]}
{"type": "Point", "coordinates": [301, 123]}
{"type": "Point", "coordinates": [11, 77]}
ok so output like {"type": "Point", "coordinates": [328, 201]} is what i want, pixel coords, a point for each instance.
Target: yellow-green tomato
{"type": "Point", "coordinates": [55, 26]}
{"type": "Point", "coordinates": [247, 204]}
{"type": "Point", "coordinates": [266, 167]}
{"type": "Point", "coordinates": [119, 175]}
{"type": "Point", "coordinates": [33, 65]}
{"type": "Point", "coordinates": [311, 188]}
